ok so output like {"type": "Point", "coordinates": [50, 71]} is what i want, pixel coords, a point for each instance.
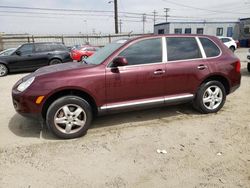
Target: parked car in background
{"type": "Point", "coordinates": [82, 52]}
{"type": "Point", "coordinates": [229, 42]}
{"type": "Point", "coordinates": [31, 56]}
{"type": "Point", "coordinates": [7, 52]}
{"type": "Point", "coordinates": [148, 71]}
{"type": "Point", "coordinates": [248, 60]}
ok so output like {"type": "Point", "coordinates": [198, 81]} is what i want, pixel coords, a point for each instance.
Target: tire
{"type": "Point", "coordinates": [210, 97]}
{"type": "Point", "coordinates": [3, 70]}
{"type": "Point", "coordinates": [55, 61]}
{"type": "Point", "coordinates": [69, 117]}
{"type": "Point", "coordinates": [84, 57]}
{"type": "Point", "coordinates": [232, 48]}
{"type": "Point", "coordinates": [248, 67]}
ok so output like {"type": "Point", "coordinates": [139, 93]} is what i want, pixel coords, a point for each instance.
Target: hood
{"type": "Point", "coordinates": [60, 68]}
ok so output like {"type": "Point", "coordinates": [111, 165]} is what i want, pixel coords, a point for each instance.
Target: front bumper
{"type": "Point", "coordinates": [25, 105]}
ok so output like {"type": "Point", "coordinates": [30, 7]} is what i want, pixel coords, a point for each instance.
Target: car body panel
{"type": "Point", "coordinates": [129, 86]}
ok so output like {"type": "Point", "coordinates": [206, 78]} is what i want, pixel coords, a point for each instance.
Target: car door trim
{"type": "Point", "coordinates": [163, 100]}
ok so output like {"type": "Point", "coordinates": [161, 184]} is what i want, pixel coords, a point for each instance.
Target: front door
{"type": "Point", "coordinates": [23, 59]}
{"type": "Point", "coordinates": [142, 81]}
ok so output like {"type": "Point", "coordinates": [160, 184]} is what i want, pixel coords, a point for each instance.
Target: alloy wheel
{"type": "Point", "coordinates": [212, 97]}
{"type": "Point", "coordinates": [70, 119]}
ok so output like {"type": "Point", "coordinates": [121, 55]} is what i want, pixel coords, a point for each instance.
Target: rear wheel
{"type": "Point", "coordinates": [232, 48]}
{"type": "Point", "coordinates": [69, 117]}
{"type": "Point", "coordinates": [55, 61]}
{"type": "Point", "coordinates": [248, 67]}
{"type": "Point", "coordinates": [3, 70]}
{"type": "Point", "coordinates": [84, 57]}
{"type": "Point", "coordinates": [210, 97]}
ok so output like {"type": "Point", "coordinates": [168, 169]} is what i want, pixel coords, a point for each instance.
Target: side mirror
{"type": "Point", "coordinates": [18, 53]}
{"type": "Point", "coordinates": [119, 62]}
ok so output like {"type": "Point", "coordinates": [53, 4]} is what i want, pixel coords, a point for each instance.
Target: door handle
{"type": "Point", "coordinates": [202, 67]}
{"type": "Point", "coordinates": [159, 72]}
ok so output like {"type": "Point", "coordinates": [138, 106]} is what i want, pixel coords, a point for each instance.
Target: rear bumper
{"type": "Point", "coordinates": [234, 88]}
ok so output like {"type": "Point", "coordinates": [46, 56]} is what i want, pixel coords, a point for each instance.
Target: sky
{"type": "Point", "coordinates": [80, 16]}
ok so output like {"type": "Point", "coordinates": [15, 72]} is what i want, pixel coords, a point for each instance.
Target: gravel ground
{"type": "Point", "coordinates": [120, 150]}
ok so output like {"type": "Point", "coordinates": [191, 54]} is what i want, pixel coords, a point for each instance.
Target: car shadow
{"type": "Point", "coordinates": [144, 115]}
{"type": "Point", "coordinates": [25, 127]}
{"type": "Point", "coordinates": [244, 72]}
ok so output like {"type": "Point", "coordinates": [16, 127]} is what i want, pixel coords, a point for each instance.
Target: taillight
{"type": "Point", "coordinates": [237, 66]}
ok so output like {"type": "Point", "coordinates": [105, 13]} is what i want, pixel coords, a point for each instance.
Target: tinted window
{"type": "Point", "coordinates": [182, 48]}
{"type": "Point", "coordinates": [178, 31]}
{"type": "Point", "coordinates": [143, 52]}
{"type": "Point", "coordinates": [26, 49]}
{"type": "Point", "coordinates": [210, 48]}
{"type": "Point", "coordinates": [200, 31]}
{"type": "Point", "coordinates": [219, 31]}
{"type": "Point", "coordinates": [188, 30]}
{"type": "Point", "coordinates": [41, 48]}
{"type": "Point", "coordinates": [161, 31]}
{"type": "Point", "coordinates": [225, 40]}
{"type": "Point", "coordinates": [57, 47]}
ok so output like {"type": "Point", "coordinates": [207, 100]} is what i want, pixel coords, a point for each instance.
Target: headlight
{"type": "Point", "coordinates": [26, 84]}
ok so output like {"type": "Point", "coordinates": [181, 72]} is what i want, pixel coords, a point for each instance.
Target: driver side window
{"type": "Point", "coordinates": [26, 49]}
{"type": "Point", "coordinates": [144, 52]}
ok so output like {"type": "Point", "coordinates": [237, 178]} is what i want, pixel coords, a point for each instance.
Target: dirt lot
{"type": "Point", "coordinates": [120, 150]}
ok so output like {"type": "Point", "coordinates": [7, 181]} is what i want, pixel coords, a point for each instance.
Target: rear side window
{"type": "Point", "coordinates": [182, 48]}
{"type": "Point", "coordinates": [41, 48]}
{"type": "Point", "coordinates": [144, 52]}
{"type": "Point", "coordinates": [209, 47]}
{"type": "Point", "coordinates": [57, 47]}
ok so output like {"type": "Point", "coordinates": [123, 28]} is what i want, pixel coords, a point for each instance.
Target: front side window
{"type": "Point", "coordinates": [26, 49]}
{"type": "Point", "coordinates": [144, 52]}
{"type": "Point", "coordinates": [209, 47]}
{"type": "Point", "coordinates": [182, 48]}
{"type": "Point", "coordinates": [219, 31]}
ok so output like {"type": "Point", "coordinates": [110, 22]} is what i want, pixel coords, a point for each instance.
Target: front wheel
{"type": "Point", "coordinates": [69, 117]}
{"type": "Point", "coordinates": [210, 97]}
{"type": "Point", "coordinates": [3, 70]}
{"type": "Point", "coordinates": [248, 67]}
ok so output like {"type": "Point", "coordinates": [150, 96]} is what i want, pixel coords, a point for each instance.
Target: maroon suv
{"type": "Point", "coordinates": [130, 74]}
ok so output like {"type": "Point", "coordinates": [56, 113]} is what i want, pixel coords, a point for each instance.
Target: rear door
{"type": "Point", "coordinates": [142, 81]}
{"type": "Point", "coordinates": [186, 65]}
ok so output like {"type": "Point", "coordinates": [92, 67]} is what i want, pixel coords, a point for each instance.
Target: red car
{"type": "Point", "coordinates": [83, 52]}
{"type": "Point", "coordinates": [132, 74]}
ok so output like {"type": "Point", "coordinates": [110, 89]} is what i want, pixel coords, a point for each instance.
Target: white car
{"type": "Point", "coordinates": [229, 42]}
{"type": "Point", "coordinates": [7, 52]}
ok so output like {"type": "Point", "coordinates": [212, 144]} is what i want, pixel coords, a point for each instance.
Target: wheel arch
{"type": "Point", "coordinates": [219, 78]}
{"type": "Point", "coordinates": [69, 91]}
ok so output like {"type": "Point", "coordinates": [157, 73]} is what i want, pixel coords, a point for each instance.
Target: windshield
{"type": "Point", "coordinates": [104, 52]}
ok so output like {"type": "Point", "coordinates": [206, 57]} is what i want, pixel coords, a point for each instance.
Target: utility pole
{"type": "Point", "coordinates": [116, 16]}
{"type": "Point", "coordinates": [143, 22]}
{"type": "Point", "coordinates": [166, 11]}
{"type": "Point", "coordinates": [120, 23]}
{"type": "Point", "coordinates": [154, 16]}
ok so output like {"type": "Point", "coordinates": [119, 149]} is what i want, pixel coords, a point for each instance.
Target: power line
{"type": "Point", "coordinates": [197, 8]}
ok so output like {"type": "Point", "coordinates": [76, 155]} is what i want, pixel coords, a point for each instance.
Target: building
{"type": "Point", "coordinates": [239, 30]}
